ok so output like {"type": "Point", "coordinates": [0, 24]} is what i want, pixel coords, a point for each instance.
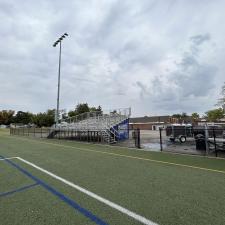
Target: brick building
{"type": "Point", "coordinates": [151, 122]}
{"type": "Point", "coordinates": [154, 122]}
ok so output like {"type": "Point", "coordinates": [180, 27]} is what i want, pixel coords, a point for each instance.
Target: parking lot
{"type": "Point", "coordinates": [150, 140]}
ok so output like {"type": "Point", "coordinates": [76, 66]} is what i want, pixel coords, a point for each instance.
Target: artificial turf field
{"type": "Point", "coordinates": [64, 182]}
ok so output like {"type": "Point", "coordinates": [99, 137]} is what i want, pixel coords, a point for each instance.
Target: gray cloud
{"type": "Point", "coordinates": [118, 54]}
{"type": "Point", "coordinates": [190, 82]}
{"type": "Point", "coordinates": [200, 39]}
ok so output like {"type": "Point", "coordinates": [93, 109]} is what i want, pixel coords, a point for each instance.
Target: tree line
{"type": "Point", "coordinates": [42, 119]}
{"type": "Point", "coordinates": [211, 116]}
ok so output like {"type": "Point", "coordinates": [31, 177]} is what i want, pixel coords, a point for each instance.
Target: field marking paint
{"type": "Point", "coordinates": [18, 190]}
{"type": "Point", "coordinates": [126, 156]}
{"type": "Point", "coordinates": [8, 158]}
{"type": "Point", "coordinates": [93, 195]}
{"type": "Point", "coordinates": [58, 194]}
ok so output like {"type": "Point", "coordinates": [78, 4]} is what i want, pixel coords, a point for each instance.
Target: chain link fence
{"type": "Point", "coordinates": [184, 140]}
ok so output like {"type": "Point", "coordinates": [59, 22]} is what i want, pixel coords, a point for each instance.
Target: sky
{"type": "Point", "coordinates": [158, 57]}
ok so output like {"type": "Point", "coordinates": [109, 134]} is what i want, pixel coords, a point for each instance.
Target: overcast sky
{"type": "Point", "coordinates": [158, 57]}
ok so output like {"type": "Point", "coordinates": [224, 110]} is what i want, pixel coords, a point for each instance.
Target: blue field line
{"type": "Point", "coordinates": [61, 196]}
{"type": "Point", "coordinates": [18, 190]}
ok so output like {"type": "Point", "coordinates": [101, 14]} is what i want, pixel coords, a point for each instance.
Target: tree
{"type": "Point", "coordinates": [178, 116]}
{"type": "Point", "coordinates": [221, 101]}
{"type": "Point", "coordinates": [23, 117]}
{"type": "Point", "coordinates": [98, 110]}
{"type": "Point", "coordinates": [79, 109]}
{"type": "Point", "coordinates": [46, 119]}
{"type": "Point", "coordinates": [182, 118]}
{"type": "Point", "coordinates": [195, 116]}
{"type": "Point", "coordinates": [6, 117]}
{"type": "Point", "coordinates": [184, 115]}
{"type": "Point", "coordinates": [82, 108]}
{"type": "Point", "coordinates": [71, 113]}
{"type": "Point", "coordinates": [215, 114]}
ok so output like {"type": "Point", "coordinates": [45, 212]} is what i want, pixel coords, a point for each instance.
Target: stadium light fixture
{"type": "Point", "coordinates": [59, 71]}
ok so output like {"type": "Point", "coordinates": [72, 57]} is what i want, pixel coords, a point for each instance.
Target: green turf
{"type": "Point", "coordinates": [11, 179]}
{"type": "Point", "coordinates": [164, 193]}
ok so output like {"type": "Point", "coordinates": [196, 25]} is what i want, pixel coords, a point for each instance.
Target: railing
{"type": "Point", "coordinates": [124, 112]}
{"type": "Point", "coordinates": [97, 121]}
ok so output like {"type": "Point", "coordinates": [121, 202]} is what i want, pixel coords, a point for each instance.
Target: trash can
{"type": "Point", "coordinates": [200, 142]}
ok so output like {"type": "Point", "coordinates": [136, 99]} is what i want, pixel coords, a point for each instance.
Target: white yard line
{"type": "Point", "coordinates": [8, 158]}
{"type": "Point", "coordinates": [93, 195]}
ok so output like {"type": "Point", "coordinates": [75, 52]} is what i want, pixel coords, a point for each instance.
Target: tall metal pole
{"type": "Point", "coordinates": [58, 93]}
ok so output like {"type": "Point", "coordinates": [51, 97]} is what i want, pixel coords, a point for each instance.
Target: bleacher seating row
{"type": "Point", "coordinates": [104, 123]}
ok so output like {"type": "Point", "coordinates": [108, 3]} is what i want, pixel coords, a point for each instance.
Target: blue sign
{"type": "Point", "coordinates": [123, 130]}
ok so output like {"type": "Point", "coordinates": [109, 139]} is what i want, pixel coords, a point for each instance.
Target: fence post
{"type": "Point", "coordinates": [214, 138]}
{"type": "Point", "coordinates": [206, 139]}
{"type": "Point", "coordinates": [138, 138]}
{"type": "Point", "coordinates": [160, 135]}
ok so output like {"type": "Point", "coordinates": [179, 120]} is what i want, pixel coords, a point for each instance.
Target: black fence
{"type": "Point", "coordinates": [187, 140]}
{"type": "Point", "coordinates": [133, 141]}
{"type": "Point", "coordinates": [70, 134]}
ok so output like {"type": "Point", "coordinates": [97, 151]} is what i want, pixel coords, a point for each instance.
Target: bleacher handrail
{"type": "Point", "coordinates": [83, 116]}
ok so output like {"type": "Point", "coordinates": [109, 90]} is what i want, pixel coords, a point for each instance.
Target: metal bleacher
{"type": "Point", "coordinates": [103, 122]}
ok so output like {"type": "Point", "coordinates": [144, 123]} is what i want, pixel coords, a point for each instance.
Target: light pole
{"type": "Point", "coordinates": [58, 92]}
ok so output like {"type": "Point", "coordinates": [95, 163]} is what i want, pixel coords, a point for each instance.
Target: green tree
{"type": "Point", "coordinates": [98, 110]}
{"type": "Point", "coordinates": [195, 116]}
{"type": "Point", "coordinates": [46, 119]}
{"type": "Point", "coordinates": [79, 109]}
{"type": "Point", "coordinates": [183, 117]}
{"type": "Point", "coordinates": [72, 113]}
{"type": "Point", "coordinates": [82, 108]}
{"type": "Point", "coordinates": [6, 117]}
{"type": "Point", "coordinates": [178, 116]}
{"type": "Point", "coordinates": [23, 117]}
{"type": "Point", "coordinates": [215, 114]}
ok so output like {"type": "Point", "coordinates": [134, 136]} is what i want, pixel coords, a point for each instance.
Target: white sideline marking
{"type": "Point", "coordinates": [93, 195]}
{"type": "Point", "coordinates": [9, 158]}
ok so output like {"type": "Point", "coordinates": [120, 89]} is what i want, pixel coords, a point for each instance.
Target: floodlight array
{"type": "Point", "coordinates": [60, 39]}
